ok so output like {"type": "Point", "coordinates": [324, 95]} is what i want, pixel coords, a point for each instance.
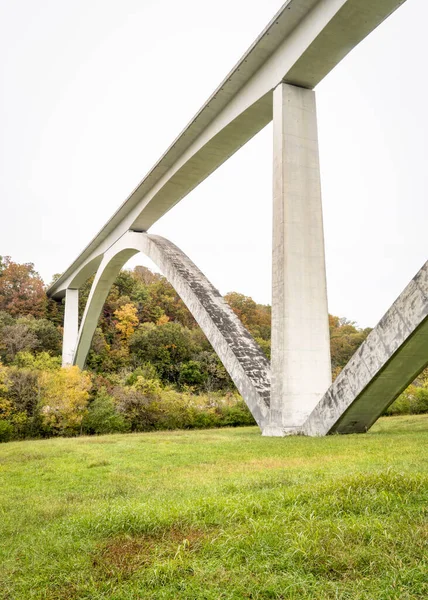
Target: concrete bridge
{"type": "Point", "coordinates": [274, 80]}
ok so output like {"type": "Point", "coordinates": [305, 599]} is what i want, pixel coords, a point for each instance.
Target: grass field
{"type": "Point", "coordinates": [217, 514]}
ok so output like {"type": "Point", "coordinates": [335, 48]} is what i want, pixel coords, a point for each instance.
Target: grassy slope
{"type": "Point", "coordinates": [217, 514]}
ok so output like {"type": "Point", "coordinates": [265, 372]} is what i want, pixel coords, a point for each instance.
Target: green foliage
{"type": "Point", "coordinates": [6, 430]}
{"type": "Point", "coordinates": [413, 401]}
{"type": "Point", "coordinates": [149, 367]}
{"type": "Point", "coordinates": [38, 362]}
{"type": "Point", "coordinates": [165, 346]}
{"type": "Point", "coordinates": [48, 335]}
{"type": "Point", "coordinates": [345, 339]}
{"type": "Point", "coordinates": [102, 416]}
{"type": "Point", "coordinates": [191, 373]}
{"type": "Point", "coordinates": [146, 406]}
{"type": "Point", "coordinates": [146, 370]}
{"type": "Point", "coordinates": [5, 319]}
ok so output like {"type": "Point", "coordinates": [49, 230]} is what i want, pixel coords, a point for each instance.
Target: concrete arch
{"type": "Point", "coordinates": [85, 272]}
{"type": "Point", "coordinates": [392, 356]}
{"type": "Point", "coordinates": [394, 353]}
{"type": "Point", "coordinates": [241, 356]}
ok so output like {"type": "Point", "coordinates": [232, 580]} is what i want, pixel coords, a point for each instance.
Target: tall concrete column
{"type": "Point", "coordinates": [71, 326]}
{"type": "Point", "coordinates": [301, 366]}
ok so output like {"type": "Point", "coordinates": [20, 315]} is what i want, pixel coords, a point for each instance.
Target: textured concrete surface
{"type": "Point", "coordinates": [241, 356]}
{"type": "Point", "coordinates": [301, 365]}
{"type": "Point", "coordinates": [301, 45]}
{"type": "Point", "coordinates": [394, 353]}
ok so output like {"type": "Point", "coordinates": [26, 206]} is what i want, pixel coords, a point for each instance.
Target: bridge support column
{"type": "Point", "coordinates": [301, 366]}
{"type": "Point", "coordinates": [71, 326]}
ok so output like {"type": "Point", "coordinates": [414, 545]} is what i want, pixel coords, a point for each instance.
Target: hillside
{"type": "Point", "coordinates": [150, 367]}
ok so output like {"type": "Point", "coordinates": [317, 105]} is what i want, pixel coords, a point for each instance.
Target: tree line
{"type": "Point", "coordinates": [149, 367]}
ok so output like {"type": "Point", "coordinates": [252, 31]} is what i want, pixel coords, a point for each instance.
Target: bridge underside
{"type": "Point", "coordinates": [274, 81]}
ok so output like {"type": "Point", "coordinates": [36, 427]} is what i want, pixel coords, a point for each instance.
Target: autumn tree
{"type": "Point", "coordinates": [345, 339]}
{"type": "Point", "coordinates": [65, 396]}
{"type": "Point", "coordinates": [126, 321]}
{"type": "Point", "coordinates": [16, 338]}
{"type": "Point", "coordinates": [21, 289]}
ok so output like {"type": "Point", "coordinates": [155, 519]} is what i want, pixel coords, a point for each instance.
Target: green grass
{"type": "Point", "coordinates": [217, 514]}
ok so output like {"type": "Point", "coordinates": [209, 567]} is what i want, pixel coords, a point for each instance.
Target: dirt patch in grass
{"type": "Point", "coordinates": [24, 457]}
{"type": "Point", "coordinates": [124, 555]}
{"type": "Point", "coordinates": [99, 463]}
{"type": "Point", "coordinates": [67, 592]}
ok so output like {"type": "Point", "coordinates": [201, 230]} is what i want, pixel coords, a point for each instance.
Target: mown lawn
{"type": "Point", "coordinates": [217, 514]}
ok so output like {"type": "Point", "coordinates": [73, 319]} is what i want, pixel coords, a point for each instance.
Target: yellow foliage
{"type": "Point", "coordinates": [150, 387]}
{"type": "Point", "coordinates": [65, 395]}
{"type": "Point", "coordinates": [162, 320]}
{"type": "Point", "coordinates": [127, 320]}
{"type": "Point", "coordinates": [5, 404]}
{"type": "Point", "coordinates": [6, 408]}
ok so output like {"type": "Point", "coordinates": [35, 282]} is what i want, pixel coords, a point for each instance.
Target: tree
{"type": "Point", "coordinates": [48, 335]}
{"type": "Point", "coordinates": [17, 338]}
{"type": "Point", "coordinates": [165, 346]}
{"type": "Point", "coordinates": [127, 321]}
{"type": "Point", "coordinates": [102, 416]}
{"type": "Point", "coordinates": [23, 390]}
{"type": "Point", "coordinates": [5, 319]}
{"type": "Point", "coordinates": [255, 317]}
{"type": "Point", "coordinates": [345, 339]}
{"type": "Point", "coordinates": [145, 275]}
{"type": "Point", "coordinates": [65, 395]}
{"type": "Point", "coordinates": [164, 300]}
{"type": "Point", "coordinates": [21, 289]}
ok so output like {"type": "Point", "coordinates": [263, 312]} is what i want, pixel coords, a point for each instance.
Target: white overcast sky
{"type": "Point", "coordinates": [93, 92]}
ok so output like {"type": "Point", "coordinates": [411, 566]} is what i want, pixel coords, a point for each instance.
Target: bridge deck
{"type": "Point", "coordinates": [302, 43]}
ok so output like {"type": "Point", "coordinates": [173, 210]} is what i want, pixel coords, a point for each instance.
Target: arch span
{"type": "Point", "coordinates": [241, 356]}
{"type": "Point", "coordinates": [395, 352]}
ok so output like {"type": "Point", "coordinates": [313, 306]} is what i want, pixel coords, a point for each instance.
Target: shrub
{"type": "Point", "coordinates": [65, 395]}
{"type": "Point", "coordinates": [6, 431]}
{"type": "Point", "coordinates": [191, 373]}
{"type": "Point", "coordinates": [102, 416]}
{"type": "Point", "coordinates": [147, 370]}
{"type": "Point", "coordinates": [40, 362]}
{"type": "Point", "coordinates": [413, 401]}
{"type": "Point", "coordinates": [141, 413]}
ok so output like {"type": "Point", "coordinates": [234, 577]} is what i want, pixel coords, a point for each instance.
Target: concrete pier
{"type": "Point", "coordinates": [274, 79]}
{"type": "Point", "coordinates": [71, 326]}
{"type": "Point", "coordinates": [301, 367]}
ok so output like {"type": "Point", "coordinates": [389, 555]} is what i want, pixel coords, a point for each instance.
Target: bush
{"type": "Point", "coordinates": [6, 431]}
{"type": "Point", "coordinates": [191, 373]}
{"type": "Point", "coordinates": [40, 362]}
{"type": "Point", "coordinates": [102, 416]}
{"type": "Point", "coordinates": [413, 401]}
{"type": "Point", "coordinates": [65, 395]}
{"type": "Point", "coordinates": [140, 412]}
